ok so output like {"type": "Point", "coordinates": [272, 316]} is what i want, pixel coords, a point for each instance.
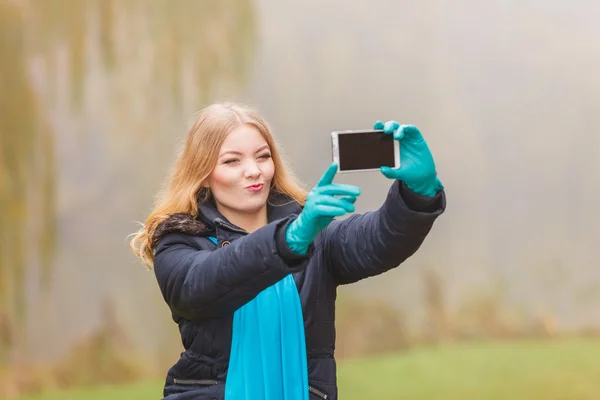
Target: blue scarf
{"type": "Point", "coordinates": [268, 348]}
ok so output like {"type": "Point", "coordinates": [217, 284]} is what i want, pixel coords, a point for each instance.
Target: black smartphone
{"type": "Point", "coordinates": [364, 150]}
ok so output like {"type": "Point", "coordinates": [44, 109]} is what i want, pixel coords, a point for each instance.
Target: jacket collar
{"type": "Point", "coordinates": [279, 206]}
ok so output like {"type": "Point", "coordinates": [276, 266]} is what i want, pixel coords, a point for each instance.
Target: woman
{"type": "Point", "coordinates": [249, 263]}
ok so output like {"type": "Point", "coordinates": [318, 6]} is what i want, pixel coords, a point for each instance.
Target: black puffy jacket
{"type": "Point", "coordinates": [204, 284]}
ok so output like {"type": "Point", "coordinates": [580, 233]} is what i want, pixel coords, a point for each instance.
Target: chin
{"type": "Point", "coordinates": [254, 205]}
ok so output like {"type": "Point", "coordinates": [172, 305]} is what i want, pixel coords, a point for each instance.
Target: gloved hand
{"type": "Point", "coordinates": [417, 168]}
{"type": "Point", "coordinates": [321, 207]}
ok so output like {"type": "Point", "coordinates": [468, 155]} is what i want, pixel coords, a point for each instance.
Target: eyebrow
{"type": "Point", "coordinates": [266, 146]}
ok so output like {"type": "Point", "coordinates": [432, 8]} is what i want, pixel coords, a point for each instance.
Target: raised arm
{"type": "Point", "coordinates": [372, 243]}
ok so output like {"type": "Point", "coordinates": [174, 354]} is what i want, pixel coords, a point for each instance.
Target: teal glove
{"type": "Point", "coordinates": [320, 209]}
{"type": "Point", "coordinates": [417, 168]}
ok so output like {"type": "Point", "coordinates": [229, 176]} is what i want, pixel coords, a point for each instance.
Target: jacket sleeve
{"type": "Point", "coordinates": [199, 282]}
{"type": "Point", "coordinates": [369, 244]}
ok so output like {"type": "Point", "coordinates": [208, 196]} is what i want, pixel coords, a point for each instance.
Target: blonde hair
{"type": "Point", "coordinates": [184, 189]}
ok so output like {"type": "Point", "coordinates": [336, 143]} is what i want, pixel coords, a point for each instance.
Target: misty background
{"type": "Point", "coordinates": [97, 95]}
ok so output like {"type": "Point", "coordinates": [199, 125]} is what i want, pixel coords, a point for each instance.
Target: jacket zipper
{"type": "Point", "coordinates": [206, 382]}
{"type": "Point", "coordinates": [230, 227]}
{"type": "Point", "coordinates": [317, 393]}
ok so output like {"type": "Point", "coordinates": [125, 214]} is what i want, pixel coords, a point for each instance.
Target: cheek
{"type": "Point", "coordinates": [268, 170]}
{"type": "Point", "coordinates": [223, 177]}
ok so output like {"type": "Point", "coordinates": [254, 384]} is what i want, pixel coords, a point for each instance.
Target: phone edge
{"type": "Point", "coordinates": [335, 150]}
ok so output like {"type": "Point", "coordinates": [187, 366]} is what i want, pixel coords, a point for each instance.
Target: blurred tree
{"type": "Point", "coordinates": [214, 38]}
{"type": "Point", "coordinates": [26, 177]}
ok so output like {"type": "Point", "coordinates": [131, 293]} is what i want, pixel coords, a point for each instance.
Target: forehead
{"type": "Point", "coordinates": [245, 138]}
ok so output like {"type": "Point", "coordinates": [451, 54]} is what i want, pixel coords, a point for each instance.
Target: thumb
{"type": "Point", "coordinates": [390, 173]}
{"type": "Point", "coordinates": [328, 176]}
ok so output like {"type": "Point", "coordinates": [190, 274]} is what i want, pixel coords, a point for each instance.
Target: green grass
{"type": "Point", "coordinates": [136, 391]}
{"type": "Point", "coordinates": [548, 370]}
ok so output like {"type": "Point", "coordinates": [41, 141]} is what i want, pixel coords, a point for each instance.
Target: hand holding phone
{"type": "Point", "coordinates": [398, 151]}
{"type": "Point", "coordinates": [418, 169]}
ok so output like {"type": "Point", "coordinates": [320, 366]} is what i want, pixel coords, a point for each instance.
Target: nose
{"type": "Point", "coordinates": [252, 171]}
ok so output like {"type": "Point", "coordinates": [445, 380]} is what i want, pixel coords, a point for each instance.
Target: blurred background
{"type": "Point", "coordinates": [501, 302]}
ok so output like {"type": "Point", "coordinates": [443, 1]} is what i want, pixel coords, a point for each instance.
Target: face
{"type": "Point", "coordinates": [240, 182]}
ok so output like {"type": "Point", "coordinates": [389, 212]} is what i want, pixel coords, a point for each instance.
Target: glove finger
{"type": "Point", "coordinates": [411, 132]}
{"type": "Point", "coordinates": [335, 202]}
{"type": "Point", "coordinates": [328, 176]}
{"type": "Point", "coordinates": [399, 133]}
{"type": "Point", "coordinates": [378, 125]}
{"type": "Point", "coordinates": [329, 211]}
{"type": "Point", "coordinates": [339, 189]}
{"type": "Point", "coordinates": [349, 199]}
{"type": "Point", "coordinates": [390, 126]}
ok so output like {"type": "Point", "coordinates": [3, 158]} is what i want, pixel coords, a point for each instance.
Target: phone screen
{"type": "Point", "coordinates": [365, 150]}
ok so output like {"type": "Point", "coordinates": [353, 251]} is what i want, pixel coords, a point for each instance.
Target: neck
{"type": "Point", "coordinates": [247, 221]}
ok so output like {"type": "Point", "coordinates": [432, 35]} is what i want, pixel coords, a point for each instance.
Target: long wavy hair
{"type": "Point", "coordinates": [183, 189]}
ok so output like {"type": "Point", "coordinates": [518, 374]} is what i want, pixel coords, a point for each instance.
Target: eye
{"type": "Point", "coordinates": [230, 161]}
{"type": "Point", "coordinates": [265, 156]}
